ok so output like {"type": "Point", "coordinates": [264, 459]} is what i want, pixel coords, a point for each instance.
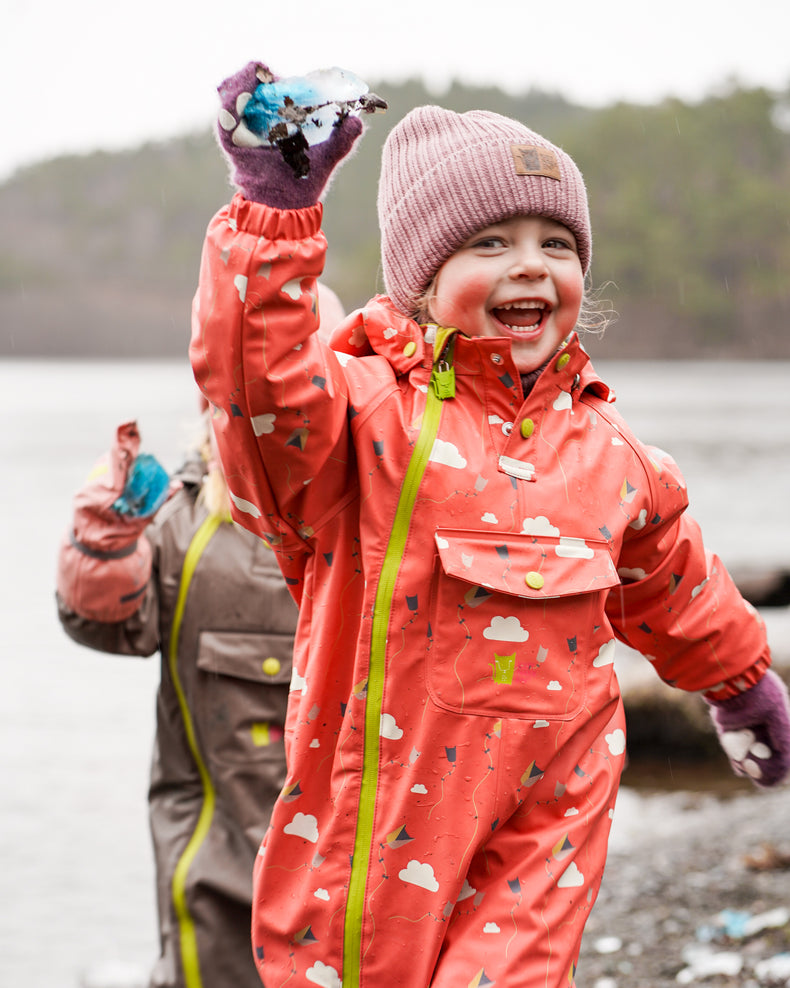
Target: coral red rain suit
{"type": "Point", "coordinates": [455, 731]}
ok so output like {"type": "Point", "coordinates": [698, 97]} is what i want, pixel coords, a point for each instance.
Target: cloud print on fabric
{"type": "Point", "coordinates": [506, 629]}
{"type": "Point", "coordinates": [447, 453]}
{"type": "Point", "coordinates": [419, 874]}
{"type": "Point", "coordinates": [303, 825]}
{"type": "Point", "coordinates": [539, 526]}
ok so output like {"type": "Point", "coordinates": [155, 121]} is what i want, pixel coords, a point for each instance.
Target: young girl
{"type": "Point", "coordinates": [467, 525]}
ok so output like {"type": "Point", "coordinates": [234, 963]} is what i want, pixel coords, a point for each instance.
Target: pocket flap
{"type": "Point", "coordinates": [262, 658]}
{"type": "Point", "coordinates": [533, 566]}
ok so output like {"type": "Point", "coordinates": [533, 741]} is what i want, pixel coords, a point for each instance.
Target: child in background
{"type": "Point", "coordinates": [209, 596]}
{"type": "Point", "coordinates": [467, 524]}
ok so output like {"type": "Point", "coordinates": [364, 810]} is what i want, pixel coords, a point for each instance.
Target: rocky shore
{"type": "Point", "coordinates": [697, 885]}
{"type": "Point", "coordinates": [696, 891]}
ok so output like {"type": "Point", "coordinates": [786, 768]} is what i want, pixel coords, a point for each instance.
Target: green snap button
{"type": "Point", "coordinates": [527, 428]}
{"type": "Point", "coordinates": [271, 666]}
{"type": "Point", "coordinates": [409, 349]}
{"type": "Point", "coordinates": [562, 361]}
{"type": "Point", "coordinates": [534, 580]}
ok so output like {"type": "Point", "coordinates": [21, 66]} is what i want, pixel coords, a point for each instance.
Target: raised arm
{"type": "Point", "coordinates": [279, 394]}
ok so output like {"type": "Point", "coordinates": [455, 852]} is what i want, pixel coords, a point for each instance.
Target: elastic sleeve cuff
{"type": "Point", "coordinates": [272, 223]}
{"type": "Point", "coordinates": [739, 684]}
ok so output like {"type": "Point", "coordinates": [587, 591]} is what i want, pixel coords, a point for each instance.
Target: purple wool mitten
{"type": "Point", "coordinates": [281, 171]}
{"type": "Point", "coordinates": [754, 730]}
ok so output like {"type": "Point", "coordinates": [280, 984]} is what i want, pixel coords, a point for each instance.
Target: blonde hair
{"type": "Point", "coordinates": [214, 494]}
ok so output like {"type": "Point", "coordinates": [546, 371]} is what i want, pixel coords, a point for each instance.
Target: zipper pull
{"type": "Point", "coordinates": [443, 380]}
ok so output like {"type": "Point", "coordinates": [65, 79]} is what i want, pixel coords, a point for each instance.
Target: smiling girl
{"type": "Point", "coordinates": [467, 525]}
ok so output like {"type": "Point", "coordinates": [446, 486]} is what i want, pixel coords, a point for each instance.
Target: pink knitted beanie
{"type": "Point", "coordinates": [445, 175]}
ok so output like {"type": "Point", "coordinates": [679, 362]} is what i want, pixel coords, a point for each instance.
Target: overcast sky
{"type": "Point", "coordinates": [86, 74]}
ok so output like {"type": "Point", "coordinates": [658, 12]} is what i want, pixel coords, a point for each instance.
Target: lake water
{"type": "Point", "coordinates": [76, 876]}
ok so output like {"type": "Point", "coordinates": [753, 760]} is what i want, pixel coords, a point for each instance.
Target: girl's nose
{"type": "Point", "coordinates": [528, 262]}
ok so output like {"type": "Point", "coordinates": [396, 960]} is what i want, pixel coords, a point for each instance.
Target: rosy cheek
{"type": "Point", "coordinates": [456, 295]}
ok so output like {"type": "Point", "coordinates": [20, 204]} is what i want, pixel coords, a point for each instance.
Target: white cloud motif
{"type": "Point", "coordinates": [554, 686]}
{"type": "Point", "coordinates": [539, 526]}
{"type": "Point", "coordinates": [562, 402]}
{"type": "Point", "coordinates": [616, 741]}
{"type": "Point", "coordinates": [298, 682]}
{"type": "Point", "coordinates": [491, 928]}
{"type": "Point", "coordinates": [640, 521]}
{"type": "Point", "coordinates": [263, 424]}
{"type": "Point", "coordinates": [303, 825]}
{"type": "Point", "coordinates": [419, 874]}
{"type": "Point", "coordinates": [442, 542]}
{"type": "Point", "coordinates": [244, 505]}
{"type": "Point", "coordinates": [293, 288]}
{"type": "Point", "coordinates": [324, 975]}
{"type": "Point", "coordinates": [419, 789]}
{"type": "Point", "coordinates": [240, 282]}
{"type": "Point", "coordinates": [505, 629]}
{"type": "Point", "coordinates": [447, 454]}
{"type": "Point", "coordinates": [617, 442]}
{"type": "Point", "coordinates": [571, 878]}
{"type": "Point", "coordinates": [321, 894]}
{"type": "Point", "coordinates": [490, 518]}
{"type": "Point", "coordinates": [570, 548]}
{"type": "Point", "coordinates": [388, 728]}
{"type": "Point", "coordinates": [264, 270]}
{"type": "Point", "coordinates": [605, 656]}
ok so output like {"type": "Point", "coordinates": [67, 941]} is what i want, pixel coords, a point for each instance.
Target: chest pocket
{"type": "Point", "coordinates": [256, 656]}
{"type": "Point", "coordinates": [513, 620]}
{"type": "Point", "coordinates": [241, 698]}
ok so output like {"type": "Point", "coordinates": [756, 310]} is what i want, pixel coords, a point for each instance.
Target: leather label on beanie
{"type": "Point", "coordinates": [533, 160]}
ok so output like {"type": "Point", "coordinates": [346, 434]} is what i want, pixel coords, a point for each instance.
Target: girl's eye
{"type": "Point", "coordinates": [557, 244]}
{"type": "Point", "coordinates": [487, 243]}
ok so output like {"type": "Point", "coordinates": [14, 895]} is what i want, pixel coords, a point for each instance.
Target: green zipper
{"type": "Point", "coordinates": [442, 387]}
{"type": "Point", "coordinates": [186, 925]}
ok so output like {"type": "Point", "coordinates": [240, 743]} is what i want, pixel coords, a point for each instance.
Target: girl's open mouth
{"type": "Point", "coordinates": [522, 318]}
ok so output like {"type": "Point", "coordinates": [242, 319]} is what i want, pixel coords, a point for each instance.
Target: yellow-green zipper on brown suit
{"type": "Point", "coordinates": [442, 387]}
{"type": "Point", "coordinates": [186, 925]}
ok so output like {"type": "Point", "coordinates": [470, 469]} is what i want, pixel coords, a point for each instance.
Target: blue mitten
{"type": "Point", "coordinates": [754, 730]}
{"type": "Point", "coordinates": [284, 138]}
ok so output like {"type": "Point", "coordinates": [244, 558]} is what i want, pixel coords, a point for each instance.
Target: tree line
{"type": "Point", "coordinates": [690, 206]}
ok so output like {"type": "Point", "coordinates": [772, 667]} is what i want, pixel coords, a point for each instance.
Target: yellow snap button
{"type": "Point", "coordinates": [534, 580]}
{"type": "Point", "coordinates": [271, 666]}
{"type": "Point", "coordinates": [409, 349]}
{"type": "Point", "coordinates": [562, 361]}
{"type": "Point", "coordinates": [527, 428]}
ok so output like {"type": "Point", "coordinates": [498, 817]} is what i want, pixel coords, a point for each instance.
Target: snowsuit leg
{"type": "Point", "coordinates": [530, 889]}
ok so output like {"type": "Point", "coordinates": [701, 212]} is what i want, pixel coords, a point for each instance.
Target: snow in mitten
{"type": "Point", "coordinates": [284, 138]}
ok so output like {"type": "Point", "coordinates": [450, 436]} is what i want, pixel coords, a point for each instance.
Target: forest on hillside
{"type": "Point", "coordinates": [690, 209]}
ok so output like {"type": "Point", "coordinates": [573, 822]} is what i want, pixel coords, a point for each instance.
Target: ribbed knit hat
{"type": "Point", "coordinates": [445, 175]}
